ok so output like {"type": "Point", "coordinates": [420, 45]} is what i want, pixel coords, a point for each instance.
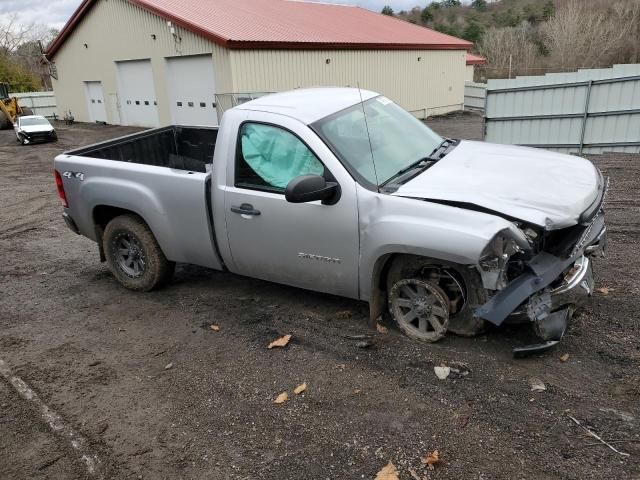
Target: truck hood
{"type": "Point", "coordinates": [544, 188]}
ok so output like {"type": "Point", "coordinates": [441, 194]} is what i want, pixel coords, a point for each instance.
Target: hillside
{"type": "Point", "coordinates": [538, 36]}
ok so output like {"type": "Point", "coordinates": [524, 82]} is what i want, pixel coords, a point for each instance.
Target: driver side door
{"type": "Point", "coordinates": [308, 245]}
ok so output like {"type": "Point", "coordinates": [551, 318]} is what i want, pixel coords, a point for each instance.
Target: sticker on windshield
{"type": "Point", "coordinates": [384, 100]}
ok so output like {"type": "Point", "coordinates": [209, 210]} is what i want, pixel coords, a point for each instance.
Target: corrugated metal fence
{"type": "Point", "coordinates": [588, 111]}
{"type": "Point", "coordinates": [474, 96]}
{"type": "Point", "coordinates": [41, 103]}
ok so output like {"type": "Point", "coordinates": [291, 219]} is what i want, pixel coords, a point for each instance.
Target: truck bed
{"type": "Point", "coordinates": [178, 147]}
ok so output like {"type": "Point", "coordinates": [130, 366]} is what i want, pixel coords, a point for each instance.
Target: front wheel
{"type": "Point", "coordinates": [133, 254]}
{"type": "Point", "coordinates": [420, 308]}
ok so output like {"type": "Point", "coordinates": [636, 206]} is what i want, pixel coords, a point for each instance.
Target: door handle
{"type": "Point", "coordinates": [245, 209]}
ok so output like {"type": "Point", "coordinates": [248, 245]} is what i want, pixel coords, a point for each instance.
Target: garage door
{"type": "Point", "coordinates": [95, 102]}
{"type": "Point", "coordinates": [192, 90]}
{"type": "Point", "coordinates": [137, 93]}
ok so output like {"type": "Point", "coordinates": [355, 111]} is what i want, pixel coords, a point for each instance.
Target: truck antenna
{"type": "Point", "coordinates": [366, 124]}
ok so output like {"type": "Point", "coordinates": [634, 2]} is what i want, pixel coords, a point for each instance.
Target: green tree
{"type": "Point", "coordinates": [480, 5]}
{"type": "Point", "coordinates": [450, 3]}
{"type": "Point", "coordinates": [17, 76]}
{"type": "Point", "coordinates": [427, 15]}
{"type": "Point", "coordinates": [387, 10]}
{"type": "Point", "coordinates": [548, 10]}
{"type": "Point", "coordinates": [473, 32]}
{"type": "Point", "coordinates": [448, 29]}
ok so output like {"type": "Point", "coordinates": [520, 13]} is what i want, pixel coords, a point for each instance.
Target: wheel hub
{"type": "Point", "coordinates": [420, 308]}
{"type": "Point", "coordinates": [423, 306]}
{"type": "Point", "coordinates": [129, 255]}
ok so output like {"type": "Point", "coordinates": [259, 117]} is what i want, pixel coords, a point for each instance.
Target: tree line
{"type": "Point", "coordinates": [531, 37]}
{"type": "Point", "coordinates": [21, 59]}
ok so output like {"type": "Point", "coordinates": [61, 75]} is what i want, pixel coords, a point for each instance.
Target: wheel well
{"type": "Point", "coordinates": [399, 261]}
{"type": "Point", "coordinates": [103, 214]}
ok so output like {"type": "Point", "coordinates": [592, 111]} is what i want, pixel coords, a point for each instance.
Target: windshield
{"type": "Point", "coordinates": [32, 122]}
{"type": "Point", "coordinates": [398, 139]}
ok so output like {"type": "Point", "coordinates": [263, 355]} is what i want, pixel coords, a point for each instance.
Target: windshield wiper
{"type": "Point", "coordinates": [418, 163]}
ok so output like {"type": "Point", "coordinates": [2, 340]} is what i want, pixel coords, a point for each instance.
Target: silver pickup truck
{"type": "Point", "coordinates": [341, 191]}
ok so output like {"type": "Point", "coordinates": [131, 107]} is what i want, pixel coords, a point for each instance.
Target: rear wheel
{"type": "Point", "coordinates": [133, 254]}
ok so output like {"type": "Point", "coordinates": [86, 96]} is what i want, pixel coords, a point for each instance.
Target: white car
{"type": "Point", "coordinates": [34, 128]}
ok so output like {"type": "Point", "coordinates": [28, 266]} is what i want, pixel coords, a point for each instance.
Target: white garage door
{"type": "Point", "coordinates": [137, 93]}
{"type": "Point", "coordinates": [192, 90]}
{"type": "Point", "coordinates": [95, 101]}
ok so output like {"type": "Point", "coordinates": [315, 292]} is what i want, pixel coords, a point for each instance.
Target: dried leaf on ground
{"type": "Point", "coordinates": [280, 342]}
{"type": "Point", "coordinates": [564, 358]}
{"type": "Point", "coordinates": [381, 328]}
{"type": "Point", "coordinates": [215, 328]}
{"type": "Point", "coordinates": [537, 385]}
{"type": "Point", "coordinates": [300, 388]}
{"type": "Point", "coordinates": [168, 366]}
{"type": "Point", "coordinates": [442, 372]}
{"type": "Point", "coordinates": [388, 472]}
{"type": "Point", "coordinates": [605, 290]}
{"type": "Point", "coordinates": [431, 459]}
{"type": "Point", "coordinates": [344, 314]}
{"type": "Point", "coordinates": [283, 397]}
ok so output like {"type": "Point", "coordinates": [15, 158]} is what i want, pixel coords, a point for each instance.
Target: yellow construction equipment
{"type": "Point", "coordinates": [10, 109]}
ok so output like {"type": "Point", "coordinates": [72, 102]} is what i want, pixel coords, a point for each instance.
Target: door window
{"type": "Point", "coordinates": [270, 157]}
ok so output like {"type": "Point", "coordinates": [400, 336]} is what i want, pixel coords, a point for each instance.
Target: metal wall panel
{"type": "Point", "coordinates": [42, 103]}
{"type": "Point", "coordinates": [474, 95]}
{"type": "Point", "coordinates": [425, 82]}
{"type": "Point", "coordinates": [589, 111]}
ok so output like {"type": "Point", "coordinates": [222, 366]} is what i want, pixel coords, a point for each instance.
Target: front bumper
{"type": "Point", "coordinates": [40, 137]}
{"type": "Point", "coordinates": [551, 290]}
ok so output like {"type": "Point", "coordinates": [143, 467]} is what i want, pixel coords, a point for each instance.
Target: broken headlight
{"type": "Point", "coordinates": [495, 259]}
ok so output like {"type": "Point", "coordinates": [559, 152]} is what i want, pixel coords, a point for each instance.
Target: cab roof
{"type": "Point", "coordinates": [309, 105]}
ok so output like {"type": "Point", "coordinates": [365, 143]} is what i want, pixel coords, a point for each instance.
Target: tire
{"type": "Point", "coordinates": [27, 111]}
{"type": "Point", "coordinates": [4, 121]}
{"type": "Point", "coordinates": [134, 256]}
{"type": "Point", "coordinates": [462, 320]}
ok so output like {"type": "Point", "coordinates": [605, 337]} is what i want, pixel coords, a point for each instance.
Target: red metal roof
{"type": "Point", "coordinates": [285, 24]}
{"type": "Point", "coordinates": [475, 59]}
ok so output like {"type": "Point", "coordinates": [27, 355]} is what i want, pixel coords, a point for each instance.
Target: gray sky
{"type": "Point", "coordinates": [55, 13]}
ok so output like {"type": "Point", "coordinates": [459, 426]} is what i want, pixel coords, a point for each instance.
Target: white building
{"type": "Point", "coordinates": [156, 62]}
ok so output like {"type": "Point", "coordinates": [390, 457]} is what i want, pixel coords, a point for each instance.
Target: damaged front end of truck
{"type": "Point", "coordinates": [542, 275]}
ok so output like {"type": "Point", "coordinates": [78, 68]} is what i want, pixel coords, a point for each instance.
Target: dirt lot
{"type": "Point", "coordinates": [97, 355]}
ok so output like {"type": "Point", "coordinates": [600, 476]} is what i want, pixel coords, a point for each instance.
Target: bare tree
{"type": "Point", "coordinates": [579, 35]}
{"type": "Point", "coordinates": [508, 50]}
{"type": "Point", "coordinates": [13, 33]}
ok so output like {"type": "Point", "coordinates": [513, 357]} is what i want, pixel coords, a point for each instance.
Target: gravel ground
{"type": "Point", "coordinates": [98, 355]}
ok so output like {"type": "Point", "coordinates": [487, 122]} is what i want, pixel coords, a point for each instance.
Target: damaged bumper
{"type": "Point", "coordinates": [551, 290]}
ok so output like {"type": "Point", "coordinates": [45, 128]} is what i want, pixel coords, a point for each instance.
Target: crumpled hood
{"type": "Point", "coordinates": [537, 186]}
{"type": "Point", "coordinates": [36, 128]}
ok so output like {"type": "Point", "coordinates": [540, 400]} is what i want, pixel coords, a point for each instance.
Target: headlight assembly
{"type": "Point", "coordinates": [495, 257]}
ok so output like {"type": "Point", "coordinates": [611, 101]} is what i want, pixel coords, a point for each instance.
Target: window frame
{"type": "Point", "coordinates": [328, 176]}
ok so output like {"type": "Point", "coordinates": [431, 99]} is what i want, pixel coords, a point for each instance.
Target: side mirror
{"type": "Point", "coordinates": [308, 188]}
